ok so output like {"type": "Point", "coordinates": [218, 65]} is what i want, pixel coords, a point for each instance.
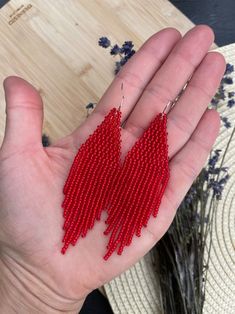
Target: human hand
{"type": "Point", "coordinates": [35, 276]}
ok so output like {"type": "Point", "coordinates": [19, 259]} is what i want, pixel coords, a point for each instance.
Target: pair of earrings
{"type": "Point", "coordinates": [130, 192]}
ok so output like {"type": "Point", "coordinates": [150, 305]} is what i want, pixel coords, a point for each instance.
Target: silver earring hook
{"type": "Point", "coordinates": [172, 103]}
{"type": "Point", "coordinates": [169, 105]}
{"type": "Point", "coordinates": [123, 97]}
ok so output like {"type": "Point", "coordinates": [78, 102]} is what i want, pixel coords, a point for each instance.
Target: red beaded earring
{"type": "Point", "coordinates": [130, 192]}
{"type": "Point", "coordinates": [89, 181]}
{"type": "Point", "coordinates": [138, 187]}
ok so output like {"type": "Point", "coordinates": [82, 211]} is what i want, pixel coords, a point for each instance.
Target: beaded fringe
{"type": "Point", "coordinates": [130, 192]}
{"type": "Point", "coordinates": [90, 177]}
{"type": "Point", "coordinates": [139, 187]}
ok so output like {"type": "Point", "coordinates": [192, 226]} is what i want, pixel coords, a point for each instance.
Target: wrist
{"type": "Point", "coordinates": [22, 292]}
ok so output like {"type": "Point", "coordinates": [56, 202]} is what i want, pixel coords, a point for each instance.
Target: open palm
{"type": "Point", "coordinates": [32, 177]}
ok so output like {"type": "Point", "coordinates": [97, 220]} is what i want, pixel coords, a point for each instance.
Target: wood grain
{"type": "Point", "coordinates": [53, 45]}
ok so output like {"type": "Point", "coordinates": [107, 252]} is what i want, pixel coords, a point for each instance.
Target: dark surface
{"type": "Point", "coordinates": [220, 16]}
{"type": "Point", "coordinates": [96, 303]}
{"type": "Point", "coordinates": [216, 13]}
{"type": "Point", "coordinates": [2, 2]}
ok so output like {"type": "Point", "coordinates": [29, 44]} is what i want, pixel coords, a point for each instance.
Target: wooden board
{"type": "Point", "coordinates": [53, 45]}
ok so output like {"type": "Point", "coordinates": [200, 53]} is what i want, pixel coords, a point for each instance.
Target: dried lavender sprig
{"type": "Point", "coordinates": [45, 140]}
{"type": "Point", "coordinates": [214, 177]}
{"type": "Point", "coordinates": [125, 52]}
{"type": "Point", "coordinates": [90, 106]}
{"type": "Point", "coordinates": [104, 42]}
{"type": "Point", "coordinates": [222, 94]}
{"type": "Point", "coordinates": [214, 204]}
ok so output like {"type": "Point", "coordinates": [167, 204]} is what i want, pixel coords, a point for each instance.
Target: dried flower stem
{"type": "Point", "coordinates": [214, 205]}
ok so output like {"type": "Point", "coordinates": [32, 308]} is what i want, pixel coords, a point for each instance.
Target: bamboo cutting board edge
{"type": "Point", "coordinates": [53, 45]}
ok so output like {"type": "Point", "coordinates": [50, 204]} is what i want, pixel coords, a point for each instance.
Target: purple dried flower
{"type": "Point", "coordinates": [117, 67]}
{"type": "Point", "coordinates": [127, 47]}
{"type": "Point", "coordinates": [115, 50]}
{"type": "Point", "coordinates": [220, 95]}
{"type": "Point", "coordinates": [212, 175]}
{"type": "Point", "coordinates": [217, 152]}
{"type": "Point", "coordinates": [130, 54]}
{"type": "Point", "coordinates": [214, 102]}
{"type": "Point", "coordinates": [45, 140]}
{"type": "Point", "coordinates": [218, 186]}
{"type": "Point", "coordinates": [227, 80]}
{"type": "Point", "coordinates": [123, 61]}
{"type": "Point", "coordinates": [127, 57]}
{"type": "Point", "coordinates": [221, 92]}
{"type": "Point", "coordinates": [231, 103]}
{"type": "Point", "coordinates": [212, 169]}
{"type": "Point", "coordinates": [231, 94]}
{"type": "Point", "coordinates": [227, 124]}
{"type": "Point", "coordinates": [125, 52]}
{"type": "Point", "coordinates": [104, 42]}
{"type": "Point", "coordinates": [224, 180]}
{"type": "Point", "coordinates": [90, 106]}
{"type": "Point", "coordinates": [190, 196]}
{"type": "Point", "coordinates": [229, 69]}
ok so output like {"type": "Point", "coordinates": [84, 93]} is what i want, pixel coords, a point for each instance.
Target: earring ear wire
{"type": "Point", "coordinates": [172, 103]}
{"type": "Point", "coordinates": [123, 97]}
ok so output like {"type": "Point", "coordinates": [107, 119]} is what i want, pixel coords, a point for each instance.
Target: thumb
{"type": "Point", "coordinates": [24, 114]}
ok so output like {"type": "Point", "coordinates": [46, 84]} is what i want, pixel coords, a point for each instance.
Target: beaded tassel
{"type": "Point", "coordinates": [138, 187]}
{"type": "Point", "coordinates": [89, 181]}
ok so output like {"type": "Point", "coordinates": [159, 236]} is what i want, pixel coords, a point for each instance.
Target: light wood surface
{"type": "Point", "coordinates": [53, 45]}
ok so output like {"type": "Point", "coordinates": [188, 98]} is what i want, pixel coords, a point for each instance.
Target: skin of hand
{"type": "Point", "coordinates": [35, 276]}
